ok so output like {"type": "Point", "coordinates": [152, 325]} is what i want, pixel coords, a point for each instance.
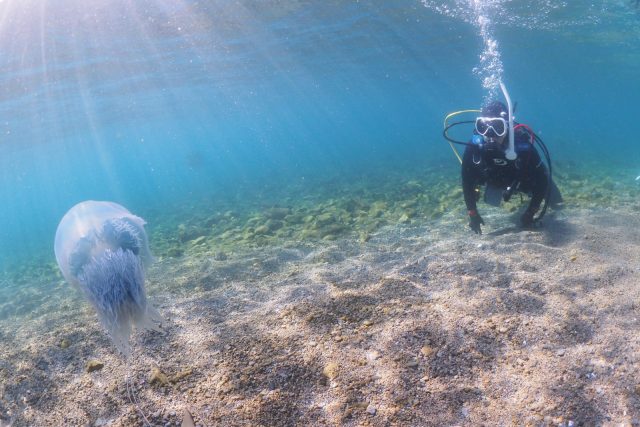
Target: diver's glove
{"type": "Point", "coordinates": [475, 220]}
{"type": "Point", "coordinates": [526, 220]}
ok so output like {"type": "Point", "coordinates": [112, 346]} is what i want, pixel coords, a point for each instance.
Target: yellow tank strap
{"type": "Point", "coordinates": [445, 126]}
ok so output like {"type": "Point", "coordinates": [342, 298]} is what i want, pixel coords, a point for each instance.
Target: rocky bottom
{"type": "Point", "coordinates": [419, 325]}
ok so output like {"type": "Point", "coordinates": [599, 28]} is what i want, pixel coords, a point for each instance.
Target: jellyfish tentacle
{"type": "Point", "coordinates": [113, 284]}
{"type": "Point", "coordinates": [122, 233]}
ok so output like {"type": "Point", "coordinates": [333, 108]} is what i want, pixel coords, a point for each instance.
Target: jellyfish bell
{"type": "Point", "coordinates": [103, 250]}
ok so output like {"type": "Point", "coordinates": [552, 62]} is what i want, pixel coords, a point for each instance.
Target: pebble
{"type": "Point", "coordinates": [560, 352]}
{"type": "Point", "coordinates": [94, 365]}
{"type": "Point", "coordinates": [426, 351]}
{"type": "Point", "coordinates": [371, 410]}
{"type": "Point", "coordinates": [330, 370]}
{"type": "Point", "coordinates": [412, 364]}
{"type": "Point", "coordinates": [373, 355]}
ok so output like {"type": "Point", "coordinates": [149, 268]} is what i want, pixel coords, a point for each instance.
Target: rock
{"type": "Point", "coordinates": [325, 219]}
{"type": "Point", "coordinates": [330, 370]}
{"type": "Point", "coordinates": [94, 365]}
{"type": "Point", "coordinates": [373, 355]}
{"type": "Point", "coordinates": [426, 351]}
{"type": "Point", "coordinates": [377, 209]}
{"type": "Point", "coordinates": [277, 213]}
{"type": "Point", "coordinates": [560, 352]}
{"type": "Point", "coordinates": [174, 252]}
{"type": "Point", "coordinates": [371, 410]}
{"type": "Point", "coordinates": [274, 225]}
{"type": "Point", "coordinates": [220, 256]}
{"type": "Point", "coordinates": [367, 323]}
{"type": "Point", "coordinates": [263, 229]}
{"type": "Point", "coordinates": [186, 233]}
{"type": "Point", "coordinates": [198, 240]}
{"type": "Point", "coordinates": [157, 377]}
{"type": "Point", "coordinates": [64, 343]}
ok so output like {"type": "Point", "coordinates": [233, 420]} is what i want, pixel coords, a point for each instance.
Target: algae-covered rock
{"type": "Point", "coordinates": [198, 240]}
{"type": "Point", "coordinates": [277, 213]}
{"type": "Point", "coordinates": [180, 375]}
{"type": "Point", "coordinates": [220, 256]}
{"type": "Point", "coordinates": [295, 218]}
{"type": "Point", "coordinates": [325, 219]}
{"type": "Point", "coordinates": [158, 377]}
{"type": "Point", "coordinates": [378, 209]}
{"type": "Point", "coordinates": [332, 229]}
{"type": "Point", "coordinates": [355, 205]}
{"type": "Point", "coordinates": [263, 229]}
{"type": "Point", "coordinates": [331, 370]}
{"type": "Point", "coordinates": [364, 237]}
{"type": "Point", "coordinates": [274, 224]}
{"type": "Point", "coordinates": [412, 186]}
{"type": "Point", "coordinates": [94, 365]}
{"type": "Point", "coordinates": [213, 219]}
{"type": "Point", "coordinates": [186, 233]}
{"type": "Point", "coordinates": [175, 252]}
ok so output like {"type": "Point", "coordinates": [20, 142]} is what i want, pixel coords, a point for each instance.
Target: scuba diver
{"type": "Point", "coordinates": [507, 162]}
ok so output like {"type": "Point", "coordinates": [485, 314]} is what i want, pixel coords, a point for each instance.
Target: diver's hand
{"type": "Point", "coordinates": [474, 221]}
{"type": "Point", "coordinates": [526, 220]}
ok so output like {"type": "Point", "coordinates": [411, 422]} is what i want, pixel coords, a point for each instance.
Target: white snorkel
{"type": "Point", "coordinates": [510, 152]}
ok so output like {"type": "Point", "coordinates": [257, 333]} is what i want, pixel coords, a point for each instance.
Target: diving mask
{"type": "Point", "coordinates": [497, 124]}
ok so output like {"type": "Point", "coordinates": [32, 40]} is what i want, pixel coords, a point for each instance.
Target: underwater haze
{"type": "Point", "coordinates": [250, 131]}
{"type": "Point", "coordinates": [153, 103]}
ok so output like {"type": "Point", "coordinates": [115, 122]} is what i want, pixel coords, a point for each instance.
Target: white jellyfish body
{"type": "Point", "coordinates": [102, 249]}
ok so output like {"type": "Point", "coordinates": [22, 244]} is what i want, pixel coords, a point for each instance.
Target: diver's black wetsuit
{"type": "Point", "coordinates": [487, 164]}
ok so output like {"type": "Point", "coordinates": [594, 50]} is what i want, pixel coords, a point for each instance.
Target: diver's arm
{"type": "Point", "coordinates": [469, 178]}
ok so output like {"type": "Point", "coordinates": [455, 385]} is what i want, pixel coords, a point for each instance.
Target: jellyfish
{"type": "Point", "coordinates": [102, 250]}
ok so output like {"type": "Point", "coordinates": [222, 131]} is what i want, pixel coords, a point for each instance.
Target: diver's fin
{"type": "Point", "coordinates": [187, 419]}
{"type": "Point", "coordinates": [555, 198]}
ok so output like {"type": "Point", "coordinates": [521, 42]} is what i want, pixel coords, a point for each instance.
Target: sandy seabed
{"type": "Point", "coordinates": [424, 324]}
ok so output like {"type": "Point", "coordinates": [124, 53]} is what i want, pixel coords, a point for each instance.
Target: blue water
{"type": "Point", "coordinates": [153, 104]}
